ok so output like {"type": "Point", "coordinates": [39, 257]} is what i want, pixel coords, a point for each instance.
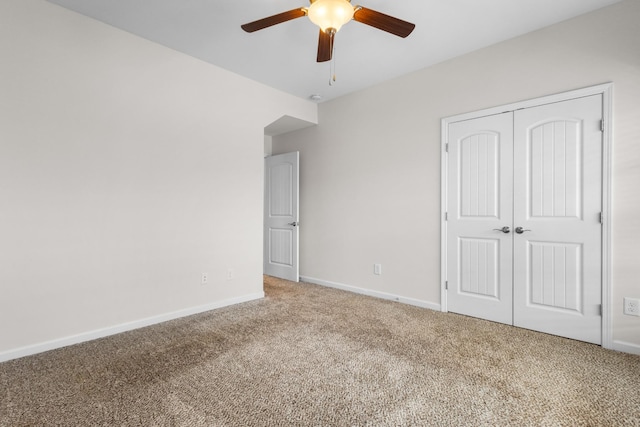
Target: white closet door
{"type": "Point", "coordinates": [557, 202]}
{"type": "Point", "coordinates": [479, 205]}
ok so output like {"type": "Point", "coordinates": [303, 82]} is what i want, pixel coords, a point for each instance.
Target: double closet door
{"type": "Point", "coordinates": [523, 230]}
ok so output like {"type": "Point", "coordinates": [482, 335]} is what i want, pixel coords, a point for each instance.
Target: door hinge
{"type": "Point", "coordinates": [446, 147]}
{"type": "Point", "coordinates": [601, 218]}
{"type": "Point", "coordinates": [600, 309]}
{"type": "Point", "coordinates": [446, 216]}
{"type": "Point", "coordinates": [446, 285]}
{"type": "Point", "coordinates": [602, 125]}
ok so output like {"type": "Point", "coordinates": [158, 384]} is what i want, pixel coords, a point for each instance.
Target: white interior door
{"type": "Point", "coordinates": [557, 201]}
{"type": "Point", "coordinates": [538, 172]}
{"type": "Point", "coordinates": [281, 216]}
{"type": "Point", "coordinates": [479, 210]}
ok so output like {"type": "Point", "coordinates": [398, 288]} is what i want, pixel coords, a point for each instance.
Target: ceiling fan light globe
{"type": "Point", "coordinates": [330, 13]}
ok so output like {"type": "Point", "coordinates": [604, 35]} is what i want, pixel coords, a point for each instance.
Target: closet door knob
{"type": "Point", "coordinates": [504, 229]}
{"type": "Point", "coordinates": [520, 230]}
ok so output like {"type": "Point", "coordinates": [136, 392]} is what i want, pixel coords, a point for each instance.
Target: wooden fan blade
{"type": "Point", "coordinates": [273, 20]}
{"type": "Point", "coordinates": [383, 22]}
{"type": "Point", "coordinates": [325, 46]}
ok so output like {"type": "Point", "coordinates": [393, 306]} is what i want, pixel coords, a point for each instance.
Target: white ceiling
{"type": "Point", "coordinates": [284, 56]}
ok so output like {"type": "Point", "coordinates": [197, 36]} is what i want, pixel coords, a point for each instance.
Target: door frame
{"type": "Point", "coordinates": [606, 90]}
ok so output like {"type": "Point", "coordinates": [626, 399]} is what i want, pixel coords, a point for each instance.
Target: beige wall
{"type": "Point", "coordinates": [126, 170]}
{"type": "Point", "coordinates": [370, 172]}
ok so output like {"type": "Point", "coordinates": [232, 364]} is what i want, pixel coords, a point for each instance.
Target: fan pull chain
{"type": "Point", "coordinates": [332, 67]}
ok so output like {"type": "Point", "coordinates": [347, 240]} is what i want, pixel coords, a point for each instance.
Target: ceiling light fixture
{"type": "Point", "coordinates": [330, 15]}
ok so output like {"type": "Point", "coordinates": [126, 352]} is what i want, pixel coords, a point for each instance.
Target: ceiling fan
{"type": "Point", "coordinates": [330, 16]}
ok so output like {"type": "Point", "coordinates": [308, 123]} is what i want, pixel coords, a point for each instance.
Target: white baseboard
{"type": "Point", "coordinates": [626, 347]}
{"type": "Point", "coordinates": [124, 327]}
{"type": "Point", "coordinates": [371, 293]}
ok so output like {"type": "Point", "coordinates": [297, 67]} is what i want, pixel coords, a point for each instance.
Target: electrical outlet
{"type": "Point", "coordinates": [230, 274]}
{"type": "Point", "coordinates": [632, 306]}
{"type": "Point", "coordinates": [204, 279]}
{"type": "Point", "coordinates": [377, 269]}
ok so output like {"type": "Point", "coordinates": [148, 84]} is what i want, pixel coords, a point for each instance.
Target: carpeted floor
{"type": "Point", "coordinates": [308, 355]}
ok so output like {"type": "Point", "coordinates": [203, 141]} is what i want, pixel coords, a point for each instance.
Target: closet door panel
{"type": "Point", "coordinates": [479, 205]}
{"type": "Point", "coordinates": [557, 204]}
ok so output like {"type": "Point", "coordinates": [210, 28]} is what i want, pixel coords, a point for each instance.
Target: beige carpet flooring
{"type": "Point", "coordinates": [312, 356]}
